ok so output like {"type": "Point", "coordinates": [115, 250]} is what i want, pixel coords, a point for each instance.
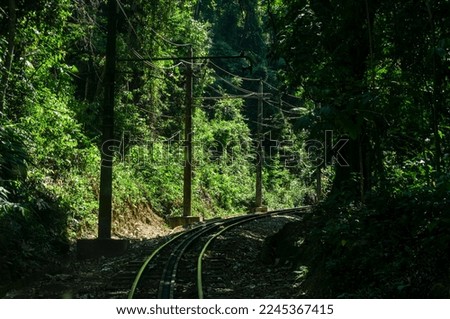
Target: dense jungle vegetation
{"type": "Point", "coordinates": [356, 121]}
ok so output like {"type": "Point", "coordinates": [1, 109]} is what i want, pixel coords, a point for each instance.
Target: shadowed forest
{"type": "Point", "coordinates": [355, 121]}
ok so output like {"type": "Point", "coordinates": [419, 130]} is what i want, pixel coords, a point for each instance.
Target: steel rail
{"type": "Point", "coordinates": [213, 237]}
{"type": "Point", "coordinates": [145, 264]}
{"type": "Point", "coordinates": [154, 254]}
{"type": "Point", "coordinates": [167, 281]}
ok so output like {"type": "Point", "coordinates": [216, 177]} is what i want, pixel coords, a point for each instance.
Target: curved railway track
{"type": "Point", "coordinates": [175, 268]}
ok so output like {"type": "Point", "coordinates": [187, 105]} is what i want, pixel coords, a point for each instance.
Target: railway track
{"type": "Point", "coordinates": [175, 268]}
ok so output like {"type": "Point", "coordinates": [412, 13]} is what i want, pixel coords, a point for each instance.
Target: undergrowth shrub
{"type": "Point", "coordinates": [32, 221]}
{"type": "Point", "coordinates": [395, 246]}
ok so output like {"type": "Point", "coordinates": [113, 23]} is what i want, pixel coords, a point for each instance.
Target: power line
{"type": "Point", "coordinates": [139, 40]}
{"type": "Point", "coordinates": [227, 96]}
{"type": "Point", "coordinates": [284, 93]}
{"type": "Point", "coordinates": [157, 114]}
{"type": "Point", "coordinates": [192, 63]}
{"type": "Point", "coordinates": [293, 96]}
{"type": "Point", "coordinates": [233, 75]}
{"type": "Point", "coordinates": [285, 111]}
{"type": "Point", "coordinates": [235, 86]}
{"type": "Point", "coordinates": [149, 63]}
{"type": "Point", "coordinates": [253, 79]}
{"type": "Point", "coordinates": [128, 20]}
{"type": "Point", "coordinates": [265, 125]}
{"type": "Point", "coordinates": [214, 89]}
{"type": "Point", "coordinates": [151, 29]}
{"type": "Point", "coordinates": [288, 104]}
{"type": "Point", "coordinates": [271, 86]}
{"type": "Point", "coordinates": [224, 97]}
{"type": "Point", "coordinates": [276, 105]}
{"type": "Point", "coordinates": [249, 93]}
{"type": "Point", "coordinates": [169, 41]}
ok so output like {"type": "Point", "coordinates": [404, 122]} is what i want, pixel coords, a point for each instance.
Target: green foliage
{"type": "Point", "coordinates": [373, 78]}
{"type": "Point", "coordinates": [32, 222]}
{"type": "Point", "coordinates": [224, 159]}
{"type": "Point", "coordinates": [152, 173]}
{"type": "Point", "coordinates": [397, 248]}
{"type": "Point", "coordinates": [13, 167]}
{"type": "Point", "coordinates": [377, 74]}
{"type": "Point", "coordinates": [13, 157]}
{"type": "Point", "coordinates": [51, 120]}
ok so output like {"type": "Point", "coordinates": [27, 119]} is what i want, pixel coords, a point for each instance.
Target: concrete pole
{"type": "Point", "coordinates": [259, 165]}
{"type": "Point", "coordinates": [188, 155]}
{"type": "Point", "coordinates": [105, 198]}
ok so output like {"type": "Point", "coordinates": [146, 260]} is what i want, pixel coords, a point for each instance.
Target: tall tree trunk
{"type": "Point", "coordinates": [12, 22]}
{"type": "Point", "coordinates": [437, 100]}
{"type": "Point", "coordinates": [437, 93]}
{"type": "Point", "coordinates": [354, 179]}
{"type": "Point", "coordinates": [344, 184]}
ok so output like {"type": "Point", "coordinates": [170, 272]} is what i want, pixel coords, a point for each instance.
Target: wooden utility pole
{"type": "Point", "coordinates": [105, 199]}
{"type": "Point", "coordinates": [259, 165]}
{"type": "Point", "coordinates": [188, 127]}
{"type": "Point", "coordinates": [188, 150]}
{"type": "Point", "coordinates": [104, 245]}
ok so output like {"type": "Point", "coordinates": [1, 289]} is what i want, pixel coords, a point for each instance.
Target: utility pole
{"type": "Point", "coordinates": [105, 198]}
{"type": "Point", "coordinates": [188, 133]}
{"type": "Point", "coordinates": [104, 245]}
{"type": "Point", "coordinates": [188, 150]}
{"type": "Point", "coordinates": [258, 202]}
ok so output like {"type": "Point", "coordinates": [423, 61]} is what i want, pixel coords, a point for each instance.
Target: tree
{"type": "Point", "coordinates": [12, 24]}
{"type": "Point", "coordinates": [363, 64]}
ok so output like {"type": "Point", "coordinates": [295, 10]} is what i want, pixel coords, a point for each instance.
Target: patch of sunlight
{"type": "Point", "coordinates": [299, 242]}
{"type": "Point", "coordinates": [301, 272]}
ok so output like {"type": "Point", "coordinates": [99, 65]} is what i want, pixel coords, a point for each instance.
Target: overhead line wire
{"type": "Point", "coordinates": [224, 96]}
{"type": "Point", "coordinates": [284, 93]}
{"type": "Point", "coordinates": [169, 41]}
{"type": "Point", "coordinates": [138, 55]}
{"type": "Point", "coordinates": [149, 63]}
{"type": "Point", "coordinates": [235, 86]}
{"type": "Point", "coordinates": [128, 20]}
{"type": "Point", "coordinates": [151, 29]}
{"type": "Point", "coordinates": [232, 74]}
